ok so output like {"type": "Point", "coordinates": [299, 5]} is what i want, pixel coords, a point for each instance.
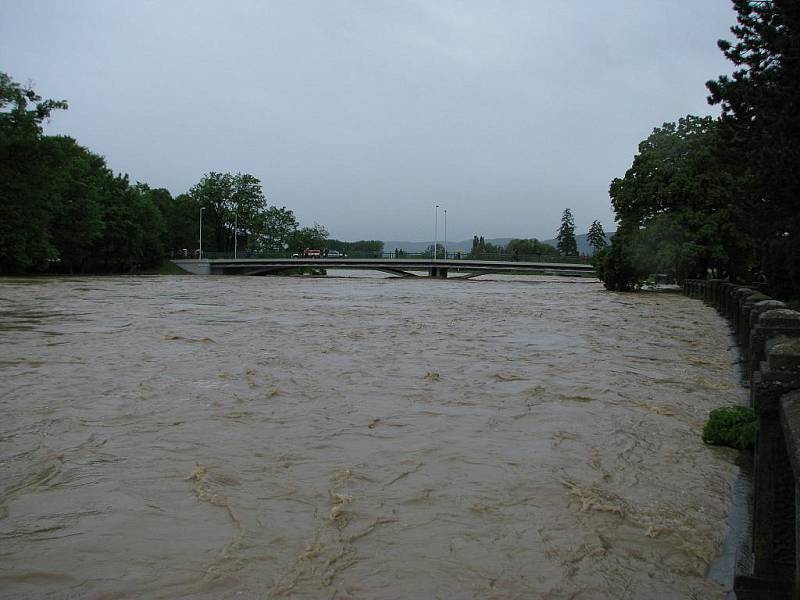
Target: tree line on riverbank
{"type": "Point", "coordinates": [718, 197]}
{"type": "Point", "coordinates": [62, 209]}
{"type": "Point", "coordinates": [566, 244]}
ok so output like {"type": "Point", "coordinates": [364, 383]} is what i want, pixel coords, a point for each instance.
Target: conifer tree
{"type": "Point", "coordinates": [567, 245]}
{"type": "Point", "coordinates": [596, 236]}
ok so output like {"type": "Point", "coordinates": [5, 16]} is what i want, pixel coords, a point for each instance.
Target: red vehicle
{"type": "Point", "coordinates": [312, 253]}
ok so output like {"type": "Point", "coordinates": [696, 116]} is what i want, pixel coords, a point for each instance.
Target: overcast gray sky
{"type": "Point", "coordinates": [362, 115]}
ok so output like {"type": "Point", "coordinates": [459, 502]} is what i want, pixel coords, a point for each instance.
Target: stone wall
{"type": "Point", "coordinates": [768, 335]}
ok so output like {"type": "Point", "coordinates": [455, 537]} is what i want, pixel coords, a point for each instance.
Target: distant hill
{"type": "Point", "coordinates": [583, 245]}
{"type": "Point", "coordinates": [466, 245]}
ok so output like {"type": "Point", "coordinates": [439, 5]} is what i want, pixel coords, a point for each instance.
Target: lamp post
{"type": "Point", "coordinates": [201, 233]}
{"type": "Point", "coordinates": [435, 231]}
{"type": "Point", "coordinates": [445, 234]}
{"type": "Point", "coordinates": [235, 234]}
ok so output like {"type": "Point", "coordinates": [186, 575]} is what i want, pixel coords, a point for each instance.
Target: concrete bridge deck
{"type": "Point", "coordinates": [403, 267]}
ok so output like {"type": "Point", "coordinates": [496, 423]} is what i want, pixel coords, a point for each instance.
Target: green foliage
{"type": "Point", "coordinates": [596, 236]}
{"type": "Point", "coordinates": [667, 173]}
{"type": "Point", "coordinates": [229, 201]}
{"type": "Point", "coordinates": [19, 122]}
{"type": "Point", "coordinates": [76, 185]}
{"type": "Point", "coordinates": [308, 237]}
{"type": "Point", "coordinates": [523, 248]}
{"type": "Point", "coordinates": [567, 245]}
{"type": "Point", "coordinates": [25, 179]}
{"type": "Point", "coordinates": [530, 247]}
{"type": "Point", "coordinates": [718, 197]}
{"type": "Point", "coordinates": [273, 231]}
{"type": "Point", "coordinates": [682, 200]}
{"type": "Point", "coordinates": [360, 247]}
{"type": "Point", "coordinates": [63, 209]}
{"type": "Point", "coordinates": [133, 228]}
{"type": "Point", "coordinates": [616, 264]}
{"type": "Point", "coordinates": [672, 244]}
{"type": "Point", "coordinates": [234, 206]}
{"type": "Point", "coordinates": [761, 125]}
{"type": "Point", "coordinates": [482, 248]}
{"type": "Point", "coordinates": [732, 426]}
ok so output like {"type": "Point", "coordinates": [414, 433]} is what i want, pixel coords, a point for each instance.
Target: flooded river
{"type": "Point", "coordinates": [359, 438]}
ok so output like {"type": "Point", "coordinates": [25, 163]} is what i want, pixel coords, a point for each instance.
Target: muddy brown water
{"type": "Point", "coordinates": [363, 438]}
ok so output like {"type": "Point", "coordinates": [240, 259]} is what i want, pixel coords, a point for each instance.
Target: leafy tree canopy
{"type": "Point", "coordinates": [308, 237]}
{"type": "Point", "coordinates": [761, 123]}
{"type": "Point", "coordinates": [17, 119]}
{"type": "Point", "coordinates": [370, 247]}
{"type": "Point", "coordinates": [480, 248]}
{"type": "Point", "coordinates": [530, 247]}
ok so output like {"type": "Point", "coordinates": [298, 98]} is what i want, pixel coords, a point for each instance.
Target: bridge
{"type": "Point", "coordinates": [402, 267]}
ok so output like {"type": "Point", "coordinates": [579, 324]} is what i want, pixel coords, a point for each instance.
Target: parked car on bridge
{"type": "Point", "coordinates": [335, 254]}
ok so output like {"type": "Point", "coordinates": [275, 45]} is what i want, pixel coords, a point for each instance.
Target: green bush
{"type": "Point", "coordinates": [615, 264]}
{"type": "Point", "coordinates": [732, 426]}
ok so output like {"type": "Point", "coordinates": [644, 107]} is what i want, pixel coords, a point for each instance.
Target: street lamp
{"type": "Point", "coordinates": [201, 233]}
{"type": "Point", "coordinates": [445, 234]}
{"type": "Point", "coordinates": [435, 231]}
{"type": "Point", "coordinates": [235, 234]}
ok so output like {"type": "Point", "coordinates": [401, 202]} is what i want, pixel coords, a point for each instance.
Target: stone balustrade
{"type": "Point", "coordinates": [768, 336]}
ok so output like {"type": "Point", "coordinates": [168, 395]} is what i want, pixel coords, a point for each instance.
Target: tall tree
{"type": "Point", "coordinates": [18, 120]}
{"type": "Point", "coordinates": [275, 229]}
{"type": "Point", "coordinates": [25, 178]}
{"type": "Point", "coordinates": [596, 236]}
{"type": "Point", "coordinates": [77, 180]}
{"type": "Point", "coordinates": [680, 201]}
{"type": "Point", "coordinates": [229, 201]}
{"type": "Point", "coordinates": [567, 245]}
{"type": "Point", "coordinates": [761, 122]}
{"type": "Point", "coordinates": [133, 228]}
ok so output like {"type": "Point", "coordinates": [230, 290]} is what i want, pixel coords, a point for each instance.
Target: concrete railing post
{"type": "Point", "coordinates": [773, 484]}
{"type": "Point", "coordinates": [740, 296]}
{"type": "Point", "coordinates": [770, 324]}
{"type": "Point", "coordinates": [730, 301]}
{"type": "Point", "coordinates": [745, 323]}
{"type": "Point", "coordinates": [711, 292]}
{"type": "Point", "coordinates": [746, 347]}
{"type": "Point", "coordinates": [790, 420]}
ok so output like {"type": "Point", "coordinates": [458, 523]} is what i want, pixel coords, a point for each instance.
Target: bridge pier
{"type": "Point", "coordinates": [440, 272]}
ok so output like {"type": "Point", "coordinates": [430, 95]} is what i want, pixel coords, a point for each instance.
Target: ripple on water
{"type": "Point", "coordinates": [506, 437]}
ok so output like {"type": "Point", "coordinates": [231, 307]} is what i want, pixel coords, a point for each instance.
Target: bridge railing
{"type": "Point", "coordinates": [399, 255]}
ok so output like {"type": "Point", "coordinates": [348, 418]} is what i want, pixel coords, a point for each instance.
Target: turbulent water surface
{"type": "Point", "coordinates": [362, 438]}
